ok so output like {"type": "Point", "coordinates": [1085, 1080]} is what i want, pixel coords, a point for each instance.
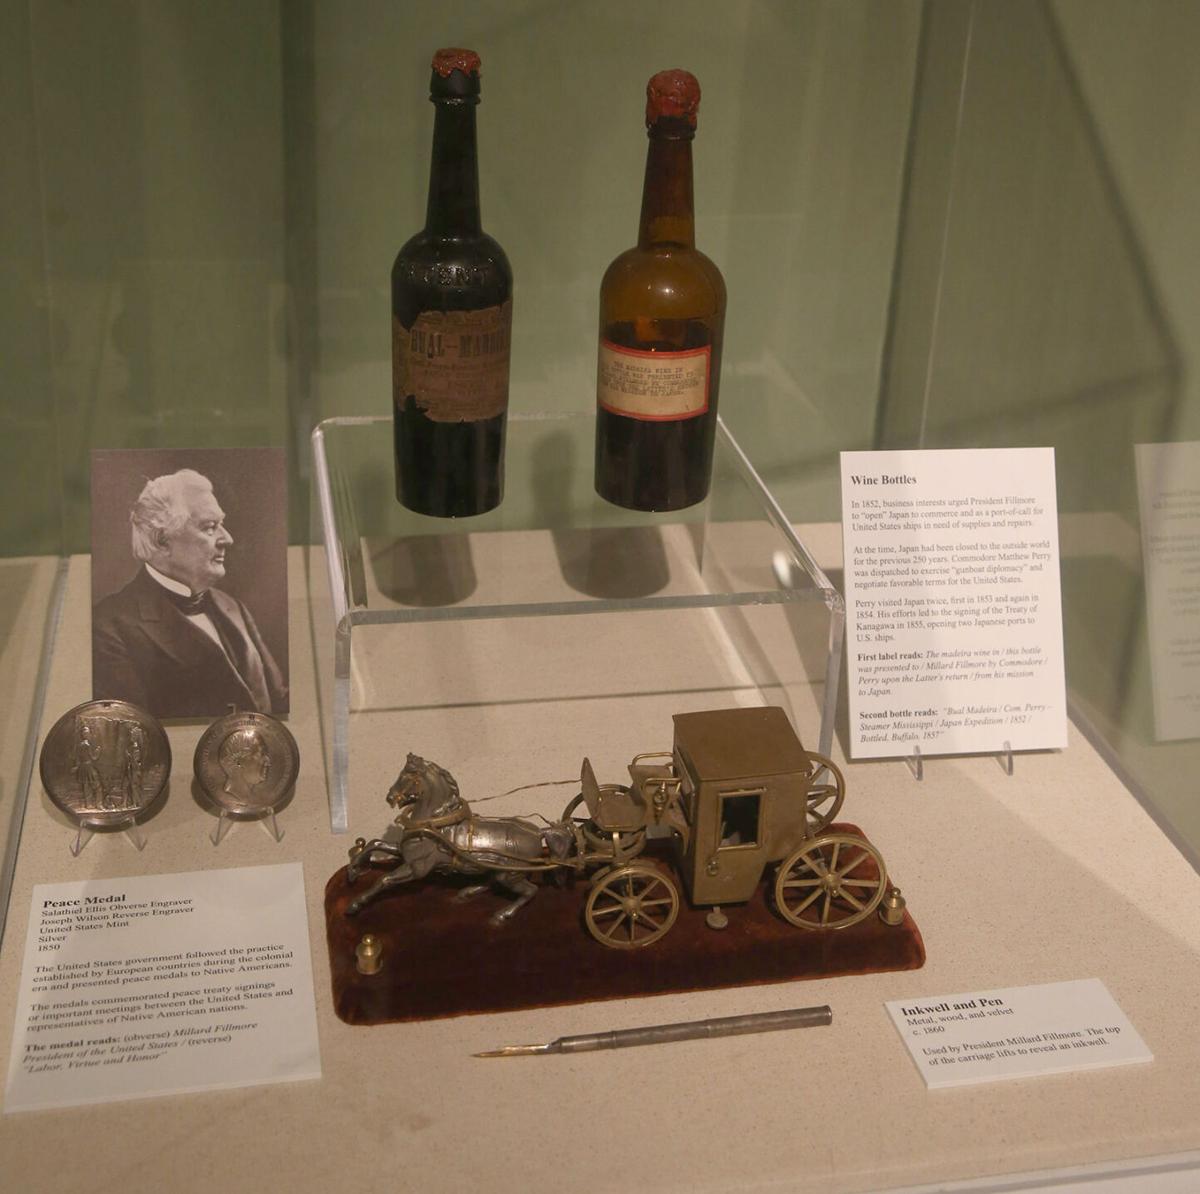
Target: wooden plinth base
{"type": "Point", "coordinates": [441, 956]}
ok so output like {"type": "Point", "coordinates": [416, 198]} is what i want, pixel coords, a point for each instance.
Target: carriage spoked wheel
{"type": "Point", "coordinates": [830, 882]}
{"type": "Point", "coordinates": [631, 905]}
{"type": "Point", "coordinates": [825, 796]}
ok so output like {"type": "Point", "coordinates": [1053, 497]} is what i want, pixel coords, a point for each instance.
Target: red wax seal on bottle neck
{"type": "Point", "coordinates": [452, 59]}
{"type": "Point", "coordinates": [673, 93]}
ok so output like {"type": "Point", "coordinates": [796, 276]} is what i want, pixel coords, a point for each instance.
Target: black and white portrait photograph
{"type": "Point", "coordinates": [189, 580]}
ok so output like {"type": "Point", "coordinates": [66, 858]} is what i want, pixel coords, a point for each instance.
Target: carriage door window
{"type": "Point", "coordinates": [739, 819]}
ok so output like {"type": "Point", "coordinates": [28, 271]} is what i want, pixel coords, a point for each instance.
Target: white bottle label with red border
{"type": "Point", "coordinates": [656, 386]}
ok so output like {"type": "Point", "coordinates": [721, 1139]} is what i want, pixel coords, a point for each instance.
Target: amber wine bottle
{"type": "Point", "coordinates": [451, 318]}
{"type": "Point", "coordinates": [662, 312]}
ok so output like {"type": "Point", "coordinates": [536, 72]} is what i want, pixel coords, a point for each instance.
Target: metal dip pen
{"type": "Point", "coordinates": [689, 1030]}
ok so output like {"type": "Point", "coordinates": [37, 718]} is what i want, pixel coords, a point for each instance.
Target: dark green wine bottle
{"type": "Point", "coordinates": [451, 322]}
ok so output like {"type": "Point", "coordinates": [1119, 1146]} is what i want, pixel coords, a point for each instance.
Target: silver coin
{"type": "Point", "coordinates": [105, 762]}
{"type": "Point", "coordinates": [247, 762]}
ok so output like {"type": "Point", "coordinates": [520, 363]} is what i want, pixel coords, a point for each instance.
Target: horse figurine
{"type": "Point", "coordinates": [435, 830]}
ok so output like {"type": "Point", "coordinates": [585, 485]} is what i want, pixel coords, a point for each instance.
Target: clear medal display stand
{"type": "Point", "coordinates": [86, 830]}
{"type": "Point", "coordinates": [509, 645]}
{"type": "Point", "coordinates": [227, 820]}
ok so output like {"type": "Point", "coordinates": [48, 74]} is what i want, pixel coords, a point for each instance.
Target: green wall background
{"type": "Point", "coordinates": [208, 199]}
{"type": "Point", "coordinates": [202, 203]}
{"type": "Point", "coordinates": [1136, 68]}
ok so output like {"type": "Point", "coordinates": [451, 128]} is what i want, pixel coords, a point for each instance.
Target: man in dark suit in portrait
{"type": "Point", "coordinates": [169, 641]}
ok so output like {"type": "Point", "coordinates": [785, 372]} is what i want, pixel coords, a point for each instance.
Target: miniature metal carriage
{"type": "Point", "coordinates": [735, 796]}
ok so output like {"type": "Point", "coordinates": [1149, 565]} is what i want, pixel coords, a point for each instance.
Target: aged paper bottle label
{"type": "Point", "coordinates": [454, 363]}
{"type": "Point", "coordinates": [656, 386]}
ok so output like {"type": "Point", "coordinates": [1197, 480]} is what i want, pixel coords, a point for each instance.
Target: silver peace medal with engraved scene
{"type": "Point", "coordinates": [105, 762]}
{"type": "Point", "coordinates": [247, 762]}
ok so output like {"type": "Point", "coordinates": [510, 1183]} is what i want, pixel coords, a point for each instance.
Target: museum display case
{"type": "Point", "coordinates": [942, 223]}
{"type": "Point", "coordinates": [389, 588]}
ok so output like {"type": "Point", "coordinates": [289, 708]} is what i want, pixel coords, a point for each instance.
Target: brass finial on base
{"type": "Point", "coordinates": [891, 910]}
{"type": "Point", "coordinates": [368, 955]}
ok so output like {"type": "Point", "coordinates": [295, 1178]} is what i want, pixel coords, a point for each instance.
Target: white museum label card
{"type": "Point", "coordinates": [163, 984]}
{"type": "Point", "coordinates": [1016, 1032]}
{"type": "Point", "coordinates": [1169, 502]}
{"type": "Point", "coordinates": [953, 606]}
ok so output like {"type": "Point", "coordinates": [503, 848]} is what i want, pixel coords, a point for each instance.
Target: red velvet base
{"type": "Point", "coordinates": [441, 957]}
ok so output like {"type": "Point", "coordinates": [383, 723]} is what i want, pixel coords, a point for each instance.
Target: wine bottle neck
{"type": "Point", "coordinates": [667, 210]}
{"type": "Point", "coordinates": [453, 207]}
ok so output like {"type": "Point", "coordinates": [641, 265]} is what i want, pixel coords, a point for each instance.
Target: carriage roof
{"type": "Point", "coordinates": [738, 744]}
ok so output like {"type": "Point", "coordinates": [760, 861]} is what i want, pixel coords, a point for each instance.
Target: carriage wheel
{"type": "Point", "coordinates": [832, 882]}
{"type": "Point", "coordinates": [631, 906]}
{"type": "Point", "coordinates": [825, 797]}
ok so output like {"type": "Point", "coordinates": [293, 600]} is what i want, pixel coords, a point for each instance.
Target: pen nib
{"type": "Point", "coordinates": [515, 1051]}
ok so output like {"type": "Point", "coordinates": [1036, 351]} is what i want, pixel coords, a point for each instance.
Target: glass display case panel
{"type": "Point", "coordinates": [1039, 301]}
{"type": "Point", "coordinates": [720, 603]}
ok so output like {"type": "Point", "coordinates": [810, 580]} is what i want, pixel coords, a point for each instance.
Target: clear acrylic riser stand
{"type": "Point", "coordinates": [916, 760]}
{"type": "Point", "coordinates": [509, 645]}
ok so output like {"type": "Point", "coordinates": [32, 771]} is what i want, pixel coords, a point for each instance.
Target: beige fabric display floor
{"type": "Point", "coordinates": [1055, 873]}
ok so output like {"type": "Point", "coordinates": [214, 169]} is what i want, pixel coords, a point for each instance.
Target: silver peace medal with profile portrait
{"type": "Point", "coordinates": [105, 762]}
{"type": "Point", "coordinates": [247, 762]}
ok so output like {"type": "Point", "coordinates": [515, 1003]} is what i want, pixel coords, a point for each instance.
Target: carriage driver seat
{"type": "Point", "coordinates": [613, 808]}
